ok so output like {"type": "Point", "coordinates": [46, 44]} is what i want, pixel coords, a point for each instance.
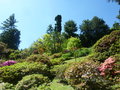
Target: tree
{"type": "Point", "coordinates": [50, 29]}
{"type": "Point", "coordinates": [73, 43]}
{"type": "Point", "coordinates": [58, 26]}
{"type": "Point", "coordinates": [116, 26]}
{"type": "Point", "coordinates": [9, 23]}
{"type": "Point", "coordinates": [118, 1]}
{"type": "Point", "coordinates": [92, 30]}
{"type": "Point", "coordinates": [70, 28]}
{"type": "Point", "coordinates": [10, 35]}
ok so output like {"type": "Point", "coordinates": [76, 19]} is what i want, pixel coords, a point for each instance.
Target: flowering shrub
{"type": "Point", "coordinates": [85, 76]}
{"type": "Point", "coordinates": [8, 63]}
{"type": "Point", "coordinates": [107, 67]}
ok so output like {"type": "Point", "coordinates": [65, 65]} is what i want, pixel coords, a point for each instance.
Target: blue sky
{"type": "Point", "coordinates": [34, 16]}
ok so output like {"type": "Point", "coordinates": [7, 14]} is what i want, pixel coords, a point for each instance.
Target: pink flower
{"type": "Point", "coordinates": [8, 63]}
{"type": "Point", "coordinates": [102, 74]}
{"type": "Point", "coordinates": [107, 65]}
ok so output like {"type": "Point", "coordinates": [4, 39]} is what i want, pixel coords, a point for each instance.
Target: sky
{"type": "Point", "coordinates": [34, 16]}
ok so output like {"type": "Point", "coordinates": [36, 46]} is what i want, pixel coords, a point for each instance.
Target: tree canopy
{"type": "Point", "coordinates": [10, 35]}
{"type": "Point", "coordinates": [92, 30]}
{"type": "Point", "coordinates": [70, 28]}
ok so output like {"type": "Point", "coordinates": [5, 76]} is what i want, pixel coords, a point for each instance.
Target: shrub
{"type": "Point", "coordinates": [6, 86]}
{"type": "Point", "coordinates": [67, 56]}
{"type": "Point", "coordinates": [4, 51]}
{"type": "Point", "coordinates": [31, 81]}
{"type": "Point", "coordinates": [15, 72]}
{"type": "Point", "coordinates": [58, 71]}
{"type": "Point", "coordinates": [82, 52]}
{"type": "Point", "coordinates": [15, 54]}
{"type": "Point", "coordinates": [116, 87]}
{"type": "Point", "coordinates": [107, 67]}
{"type": "Point", "coordinates": [39, 58]}
{"type": "Point", "coordinates": [56, 61]}
{"type": "Point", "coordinates": [56, 55]}
{"type": "Point", "coordinates": [108, 45]}
{"type": "Point", "coordinates": [84, 76]}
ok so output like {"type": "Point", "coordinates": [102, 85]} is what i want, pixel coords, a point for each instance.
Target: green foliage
{"type": "Point", "coordinates": [56, 61]}
{"type": "Point", "coordinates": [51, 43]}
{"type": "Point", "coordinates": [10, 35]}
{"type": "Point", "coordinates": [15, 54]}
{"type": "Point", "coordinates": [108, 45]}
{"type": "Point", "coordinates": [39, 58]}
{"type": "Point", "coordinates": [6, 86]}
{"type": "Point", "coordinates": [83, 52]}
{"type": "Point", "coordinates": [67, 56]}
{"type": "Point", "coordinates": [31, 81]}
{"type": "Point", "coordinates": [4, 51]}
{"type": "Point", "coordinates": [15, 72]}
{"type": "Point", "coordinates": [56, 55]}
{"type": "Point", "coordinates": [70, 28]}
{"type": "Point", "coordinates": [116, 26]}
{"type": "Point", "coordinates": [116, 86]}
{"type": "Point", "coordinates": [56, 84]}
{"type": "Point", "coordinates": [50, 29]}
{"type": "Point", "coordinates": [73, 43]}
{"type": "Point", "coordinates": [3, 47]}
{"type": "Point", "coordinates": [92, 30]}
{"type": "Point", "coordinates": [9, 23]}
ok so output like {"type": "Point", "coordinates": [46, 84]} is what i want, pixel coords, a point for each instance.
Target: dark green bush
{"type": "Point", "coordinates": [82, 52]}
{"type": "Point", "coordinates": [15, 72]}
{"type": "Point", "coordinates": [108, 45]}
{"type": "Point", "coordinates": [31, 81]}
{"type": "Point", "coordinates": [67, 56]}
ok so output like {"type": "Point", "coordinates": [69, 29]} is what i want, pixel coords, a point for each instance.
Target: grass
{"type": "Point", "coordinates": [80, 59]}
{"type": "Point", "coordinates": [55, 85]}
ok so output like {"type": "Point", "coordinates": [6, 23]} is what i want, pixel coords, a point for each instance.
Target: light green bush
{"type": "Point", "coordinates": [31, 81]}
{"type": "Point", "coordinates": [6, 86]}
{"type": "Point", "coordinates": [73, 43]}
{"type": "Point", "coordinates": [15, 72]}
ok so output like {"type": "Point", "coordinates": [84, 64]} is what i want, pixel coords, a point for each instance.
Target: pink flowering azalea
{"type": "Point", "coordinates": [107, 65]}
{"type": "Point", "coordinates": [8, 63]}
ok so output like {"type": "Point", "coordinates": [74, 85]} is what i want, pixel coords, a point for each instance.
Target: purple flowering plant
{"type": "Point", "coordinates": [8, 63]}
